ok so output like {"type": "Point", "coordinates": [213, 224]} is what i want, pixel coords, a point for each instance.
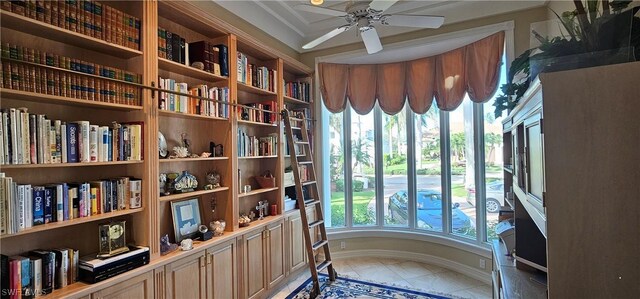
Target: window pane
{"type": "Point", "coordinates": [363, 168]}
{"type": "Point", "coordinates": [493, 155]}
{"type": "Point", "coordinates": [394, 148]}
{"type": "Point", "coordinates": [428, 170]}
{"type": "Point", "coordinates": [463, 213]}
{"type": "Point", "coordinates": [336, 169]}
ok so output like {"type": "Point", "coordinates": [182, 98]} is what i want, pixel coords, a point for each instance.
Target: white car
{"type": "Point", "coordinates": [495, 196]}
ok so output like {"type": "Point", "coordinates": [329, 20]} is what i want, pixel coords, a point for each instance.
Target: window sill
{"type": "Point", "coordinates": [409, 234]}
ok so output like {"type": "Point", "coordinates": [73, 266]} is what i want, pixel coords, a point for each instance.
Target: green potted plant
{"type": "Point", "coordinates": [597, 32]}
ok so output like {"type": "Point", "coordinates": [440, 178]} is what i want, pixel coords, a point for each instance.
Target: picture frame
{"type": "Point", "coordinates": [186, 218]}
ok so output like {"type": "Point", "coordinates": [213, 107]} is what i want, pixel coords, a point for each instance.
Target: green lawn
{"type": "Point", "coordinates": [360, 208]}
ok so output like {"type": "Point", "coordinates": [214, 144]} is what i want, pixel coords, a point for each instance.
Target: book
{"type": "Point", "coordinates": [15, 283]}
{"type": "Point", "coordinates": [36, 275]}
{"type": "Point", "coordinates": [93, 143]}
{"type": "Point", "coordinates": [135, 188]}
{"type": "Point", "coordinates": [72, 142]}
{"type": "Point", "coordinates": [48, 204]}
{"type": "Point", "coordinates": [48, 269]}
{"type": "Point", "coordinates": [4, 277]}
{"type": "Point", "coordinates": [62, 267]}
{"type": "Point", "coordinates": [38, 205]}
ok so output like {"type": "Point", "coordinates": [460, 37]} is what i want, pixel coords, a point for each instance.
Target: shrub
{"type": "Point", "coordinates": [358, 186]}
{"type": "Point", "coordinates": [340, 185]}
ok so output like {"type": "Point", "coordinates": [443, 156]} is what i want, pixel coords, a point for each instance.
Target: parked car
{"type": "Point", "coordinates": [495, 196]}
{"type": "Point", "coordinates": [429, 210]}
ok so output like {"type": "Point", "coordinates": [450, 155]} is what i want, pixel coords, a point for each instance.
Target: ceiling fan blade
{"type": "Point", "coordinates": [413, 21]}
{"type": "Point", "coordinates": [320, 10]}
{"type": "Point", "coordinates": [326, 37]}
{"type": "Point", "coordinates": [381, 5]}
{"type": "Point", "coordinates": [371, 40]}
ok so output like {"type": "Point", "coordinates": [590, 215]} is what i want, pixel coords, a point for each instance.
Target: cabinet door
{"type": "Point", "coordinates": [186, 277]}
{"type": "Point", "coordinates": [534, 160]}
{"type": "Point", "coordinates": [254, 261]}
{"type": "Point", "coordinates": [296, 243]}
{"type": "Point", "coordinates": [222, 271]}
{"type": "Point", "coordinates": [275, 248]}
{"type": "Point", "coordinates": [140, 286]}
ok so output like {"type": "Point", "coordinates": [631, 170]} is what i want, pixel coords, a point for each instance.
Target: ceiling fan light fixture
{"type": "Point", "coordinates": [316, 2]}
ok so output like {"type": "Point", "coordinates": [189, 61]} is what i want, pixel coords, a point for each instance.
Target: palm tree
{"type": "Point", "coordinates": [360, 153]}
{"type": "Point", "coordinates": [458, 145]}
{"type": "Point", "coordinates": [391, 121]}
{"type": "Point", "coordinates": [491, 140]}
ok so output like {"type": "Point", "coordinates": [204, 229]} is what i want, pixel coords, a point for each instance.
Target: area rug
{"type": "Point", "coordinates": [345, 287]}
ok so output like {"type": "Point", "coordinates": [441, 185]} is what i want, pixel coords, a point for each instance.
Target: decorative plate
{"type": "Point", "coordinates": [162, 146]}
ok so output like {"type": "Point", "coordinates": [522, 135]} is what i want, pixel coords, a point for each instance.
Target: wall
{"type": "Point", "coordinates": [218, 11]}
{"type": "Point", "coordinates": [522, 20]}
{"type": "Point", "coordinates": [453, 257]}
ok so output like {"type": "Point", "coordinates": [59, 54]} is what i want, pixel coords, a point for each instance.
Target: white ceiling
{"type": "Point", "coordinates": [279, 19]}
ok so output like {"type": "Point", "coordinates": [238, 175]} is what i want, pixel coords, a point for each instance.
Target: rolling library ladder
{"type": "Point", "coordinates": [303, 203]}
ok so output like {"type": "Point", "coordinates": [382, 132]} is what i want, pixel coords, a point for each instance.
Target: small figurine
{"type": "Point", "coordinates": [205, 155]}
{"type": "Point", "coordinates": [186, 182]}
{"type": "Point", "coordinates": [166, 246]}
{"type": "Point", "coordinates": [180, 152]}
{"type": "Point", "coordinates": [186, 244]}
{"type": "Point", "coordinates": [213, 178]}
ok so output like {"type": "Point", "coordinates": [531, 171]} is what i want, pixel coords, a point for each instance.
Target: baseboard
{"type": "Point", "coordinates": [417, 257]}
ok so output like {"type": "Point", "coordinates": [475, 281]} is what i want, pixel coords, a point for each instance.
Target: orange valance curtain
{"type": "Point", "coordinates": [472, 69]}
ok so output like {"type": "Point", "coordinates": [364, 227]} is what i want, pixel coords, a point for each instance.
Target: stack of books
{"type": "Point", "coordinates": [39, 272]}
{"type": "Point", "coordinates": [253, 146]}
{"type": "Point", "coordinates": [185, 104]}
{"type": "Point", "coordinates": [260, 116]}
{"type": "Point", "coordinates": [298, 90]}
{"type": "Point", "coordinates": [23, 206]}
{"type": "Point", "coordinates": [256, 76]}
{"type": "Point", "coordinates": [27, 138]}
{"type": "Point", "coordinates": [85, 17]}
{"type": "Point", "coordinates": [28, 77]}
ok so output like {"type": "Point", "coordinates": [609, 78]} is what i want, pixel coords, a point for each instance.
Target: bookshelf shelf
{"type": "Point", "coordinates": [256, 123]}
{"type": "Point", "coordinates": [257, 191]}
{"type": "Point", "coordinates": [188, 115]}
{"type": "Point", "coordinates": [257, 157]}
{"type": "Point", "coordinates": [254, 90]}
{"type": "Point", "coordinates": [178, 68]}
{"type": "Point", "coordinates": [44, 30]}
{"type": "Point", "coordinates": [46, 98]}
{"type": "Point", "coordinates": [63, 165]}
{"type": "Point", "coordinates": [191, 194]}
{"type": "Point", "coordinates": [290, 100]}
{"type": "Point", "coordinates": [194, 159]}
{"type": "Point", "coordinates": [56, 225]}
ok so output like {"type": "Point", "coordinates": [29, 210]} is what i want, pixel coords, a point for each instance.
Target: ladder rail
{"type": "Point", "coordinates": [302, 203]}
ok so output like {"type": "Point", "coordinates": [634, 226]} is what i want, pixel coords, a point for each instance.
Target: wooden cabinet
{"type": "Point", "coordinates": [254, 263]}
{"type": "Point", "coordinates": [263, 259]}
{"type": "Point", "coordinates": [576, 207]}
{"type": "Point", "coordinates": [186, 278]}
{"type": "Point", "coordinates": [222, 273]}
{"type": "Point", "coordinates": [297, 253]}
{"type": "Point", "coordinates": [276, 255]}
{"type": "Point", "coordinates": [140, 286]}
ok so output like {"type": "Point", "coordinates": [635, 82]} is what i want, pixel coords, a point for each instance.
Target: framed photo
{"type": "Point", "coordinates": [186, 218]}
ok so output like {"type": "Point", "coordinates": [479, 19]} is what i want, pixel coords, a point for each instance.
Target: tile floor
{"type": "Point", "coordinates": [412, 274]}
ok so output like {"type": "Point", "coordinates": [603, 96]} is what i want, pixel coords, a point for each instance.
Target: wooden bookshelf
{"type": "Point", "coordinates": [76, 221]}
{"type": "Point", "coordinates": [47, 31]}
{"type": "Point", "coordinates": [178, 68]}
{"type": "Point", "coordinates": [63, 165]}
{"type": "Point", "coordinates": [191, 194]}
{"type": "Point", "coordinates": [257, 191]}
{"type": "Point", "coordinates": [146, 225]}
{"type": "Point", "coordinates": [47, 98]}
{"type": "Point", "coordinates": [188, 115]}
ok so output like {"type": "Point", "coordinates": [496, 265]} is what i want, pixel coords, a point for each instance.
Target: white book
{"type": "Point", "coordinates": [28, 203]}
{"type": "Point", "coordinates": [135, 186]}
{"type": "Point", "coordinates": [93, 143]}
{"type": "Point", "coordinates": [46, 144]}
{"type": "Point", "coordinates": [39, 138]}
{"type": "Point", "coordinates": [21, 208]}
{"type": "Point", "coordinates": [58, 140]}
{"type": "Point", "coordinates": [63, 140]}
{"type": "Point", "coordinates": [183, 99]}
{"type": "Point", "coordinates": [36, 275]}
{"type": "Point", "coordinates": [5, 137]}
{"type": "Point", "coordinates": [100, 144]}
{"type": "Point", "coordinates": [59, 202]}
{"type": "Point", "coordinates": [61, 275]}
{"type": "Point", "coordinates": [84, 152]}
{"type": "Point", "coordinates": [26, 133]}
{"type": "Point", "coordinates": [18, 146]}
{"type": "Point", "coordinates": [14, 140]}
{"type": "Point", "coordinates": [8, 193]}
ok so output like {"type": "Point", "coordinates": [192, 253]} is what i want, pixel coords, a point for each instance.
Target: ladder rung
{"type": "Point", "coordinates": [305, 162]}
{"type": "Point", "coordinates": [301, 142]}
{"type": "Point", "coordinates": [323, 265]}
{"type": "Point", "coordinates": [311, 202]}
{"type": "Point", "coordinates": [319, 244]}
{"type": "Point", "coordinates": [316, 223]}
{"type": "Point", "coordinates": [308, 183]}
{"type": "Point", "coordinates": [295, 119]}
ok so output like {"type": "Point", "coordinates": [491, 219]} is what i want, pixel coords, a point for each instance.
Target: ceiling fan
{"type": "Point", "coordinates": [364, 16]}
